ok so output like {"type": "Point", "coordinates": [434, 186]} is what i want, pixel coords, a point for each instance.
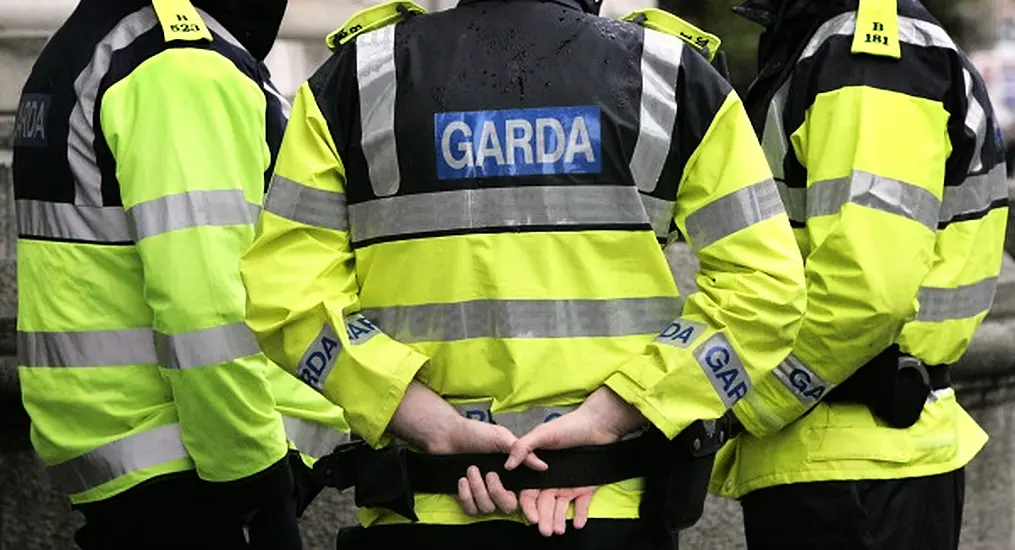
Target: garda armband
{"type": "Point", "coordinates": [877, 29]}
{"type": "Point", "coordinates": [371, 19]}
{"type": "Point", "coordinates": [658, 20]}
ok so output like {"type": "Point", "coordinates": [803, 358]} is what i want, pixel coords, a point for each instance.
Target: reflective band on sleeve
{"type": "Point", "coordinates": [682, 333]}
{"type": "Point", "coordinates": [307, 205]}
{"type": "Point", "coordinates": [80, 139]}
{"type": "Point", "coordinates": [911, 31]}
{"type": "Point", "coordinates": [660, 64]}
{"type": "Point", "coordinates": [774, 142]}
{"type": "Point", "coordinates": [519, 422]}
{"type": "Point", "coordinates": [313, 439]}
{"type": "Point", "coordinates": [976, 121]}
{"type": "Point", "coordinates": [801, 381]}
{"type": "Point", "coordinates": [475, 209]}
{"type": "Point", "coordinates": [946, 304]}
{"type": "Point", "coordinates": [206, 347]}
{"type": "Point", "coordinates": [975, 195]}
{"type": "Point", "coordinates": [106, 348]}
{"type": "Point", "coordinates": [319, 358]}
{"type": "Point", "coordinates": [525, 319]}
{"type": "Point", "coordinates": [72, 222]}
{"type": "Point", "coordinates": [723, 368]}
{"type": "Point", "coordinates": [865, 189]}
{"type": "Point", "coordinates": [660, 214]}
{"type": "Point", "coordinates": [794, 200]}
{"type": "Point", "coordinates": [732, 213]}
{"type": "Point", "coordinates": [191, 209]}
{"type": "Point", "coordinates": [375, 73]}
{"type": "Point", "coordinates": [124, 456]}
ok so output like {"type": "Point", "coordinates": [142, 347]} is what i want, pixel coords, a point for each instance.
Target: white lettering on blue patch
{"type": "Point", "coordinates": [723, 368]}
{"type": "Point", "coordinates": [681, 333]}
{"type": "Point", "coordinates": [807, 386]}
{"type": "Point", "coordinates": [30, 125]}
{"type": "Point", "coordinates": [320, 358]}
{"type": "Point", "coordinates": [518, 142]}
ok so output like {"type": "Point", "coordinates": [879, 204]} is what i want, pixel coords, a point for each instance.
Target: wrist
{"type": "Point", "coordinates": [615, 414]}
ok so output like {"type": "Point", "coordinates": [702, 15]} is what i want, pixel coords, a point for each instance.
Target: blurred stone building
{"type": "Point", "coordinates": [34, 517]}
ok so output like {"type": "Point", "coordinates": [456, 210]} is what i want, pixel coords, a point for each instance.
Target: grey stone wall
{"type": "Point", "coordinates": [33, 516]}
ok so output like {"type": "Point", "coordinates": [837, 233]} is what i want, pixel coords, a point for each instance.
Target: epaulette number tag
{"type": "Point", "coordinates": [180, 20]}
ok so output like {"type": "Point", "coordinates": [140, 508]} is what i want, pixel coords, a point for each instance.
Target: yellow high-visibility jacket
{"type": "Point", "coordinates": [891, 168]}
{"type": "Point", "coordinates": [503, 248]}
{"type": "Point", "coordinates": [140, 160]}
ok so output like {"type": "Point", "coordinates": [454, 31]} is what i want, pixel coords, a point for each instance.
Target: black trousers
{"type": "Point", "coordinates": [598, 534]}
{"type": "Point", "coordinates": [173, 512]}
{"type": "Point", "coordinates": [923, 513]}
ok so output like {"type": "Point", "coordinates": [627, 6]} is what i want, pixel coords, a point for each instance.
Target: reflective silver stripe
{"type": "Point", "coordinates": [66, 221]}
{"type": "Point", "coordinates": [284, 104]}
{"type": "Point", "coordinates": [375, 70]}
{"type": "Point", "coordinates": [80, 151]}
{"type": "Point", "coordinates": [313, 439]}
{"type": "Point", "coordinates": [801, 381]}
{"type": "Point", "coordinates": [732, 213]}
{"type": "Point", "coordinates": [660, 214]}
{"type": "Point", "coordinates": [319, 358]}
{"type": "Point", "coordinates": [976, 121]}
{"type": "Point", "coordinates": [520, 422]}
{"type": "Point", "coordinates": [124, 456]}
{"type": "Point", "coordinates": [945, 304]}
{"type": "Point", "coordinates": [723, 368]}
{"type": "Point", "coordinates": [191, 209]}
{"type": "Point", "coordinates": [497, 207]}
{"type": "Point", "coordinates": [210, 346]}
{"type": "Point", "coordinates": [525, 319]}
{"type": "Point", "coordinates": [106, 348]}
{"type": "Point", "coordinates": [302, 204]}
{"type": "Point", "coordinates": [911, 31]}
{"type": "Point", "coordinates": [865, 189]}
{"type": "Point", "coordinates": [660, 63]}
{"type": "Point", "coordinates": [975, 194]}
{"type": "Point", "coordinates": [794, 200]}
{"type": "Point", "coordinates": [773, 137]}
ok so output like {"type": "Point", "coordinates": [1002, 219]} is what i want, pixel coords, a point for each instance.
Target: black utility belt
{"type": "Point", "coordinates": [676, 472]}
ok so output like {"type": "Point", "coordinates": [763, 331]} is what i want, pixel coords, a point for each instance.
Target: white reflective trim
{"type": "Point", "coordinates": [801, 381]}
{"type": "Point", "coordinates": [976, 194]}
{"type": "Point", "coordinates": [191, 209]}
{"type": "Point", "coordinates": [501, 207]}
{"type": "Point", "coordinates": [773, 136]}
{"type": "Point", "coordinates": [660, 214]}
{"type": "Point", "coordinates": [119, 458]}
{"type": "Point", "coordinates": [733, 213]}
{"type": "Point", "coordinates": [660, 64]}
{"type": "Point", "coordinates": [525, 319]}
{"type": "Point", "coordinates": [976, 122]}
{"type": "Point", "coordinates": [865, 189]}
{"type": "Point", "coordinates": [311, 438]}
{"type": "Point", "coordinates": [302, 204]}
{"type": "Point", "coordinates": [723, 368]}
{"type": "Point", "coordinates": [72, 222]}
{"type": "Point", "coordinates": [911, 31]}
{"type": "Point", "coordinates": [206, 347]}
{"type": "Point", "coordinates": [375, 73]}
{"type": "Point", "coordinates": [946, 304]}
{"type": "Point", "coordinates": [519, 422]}
{"type": "Point", "coordinates": [80, 140]}
{"type": "Point", "coordinates": [102, 348]}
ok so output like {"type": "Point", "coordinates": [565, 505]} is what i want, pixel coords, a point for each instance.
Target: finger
{"type": "Point", "coordinates": [546, 502]}
{"type": "Point", "coordinates": [479, 493]}
{"type": "Point", "coordinates": [505, 500]}
{"type": "Point", "coordinates": [465, 498]}
{"type": "Point", "coordinates": [528, 443]}
{"type": "Point", "coordinates": [581, 506]}
{"type": "Point", "coordinates": [527, 500]}
{"type": "Point", "coordinates": [560, 511]}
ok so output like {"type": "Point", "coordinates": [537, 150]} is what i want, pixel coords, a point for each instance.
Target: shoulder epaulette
{"type": "Point", "coordinates": [665, 22]}
{"type": "Point", "coordinates": [371, 19]}
{"type": "Point", "coordinates": [877, 29]}
{"type": "Point", "coordinates": [180, 21]}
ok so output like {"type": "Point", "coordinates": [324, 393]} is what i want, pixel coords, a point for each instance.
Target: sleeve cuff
{"type": "Point", "coordinates": [633, 393]}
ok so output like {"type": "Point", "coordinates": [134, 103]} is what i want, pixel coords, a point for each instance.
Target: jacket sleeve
{"type": "Point", "coordinates": [186, 130]}
{"type": "Point", "coordinates": [874, 158]}
{"type": "Point", "coordinates": [742, 321]}
{"type": "Point", "coordinates": [303, 293]}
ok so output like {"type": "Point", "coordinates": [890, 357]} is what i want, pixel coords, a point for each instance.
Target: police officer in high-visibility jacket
{"type": "Point", "coordinates": [889, 160]}
{"type": "Point", "coordinates": [460, 246]}
{"type": "Point", "coordinates": [143, 143]}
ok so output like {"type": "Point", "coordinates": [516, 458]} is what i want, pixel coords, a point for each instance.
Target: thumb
{"type": "Point", "coordinates": [522, 450]}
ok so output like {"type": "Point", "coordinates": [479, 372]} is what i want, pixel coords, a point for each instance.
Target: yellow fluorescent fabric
{"type": "Point", "coordinates": [867, 258]}
{"type": "Point", "coordinates": [184, 127]}
{"type": "Point", "coordinates": [751, 289]}
{"type": "Point", "coordinates": [300, 321]}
